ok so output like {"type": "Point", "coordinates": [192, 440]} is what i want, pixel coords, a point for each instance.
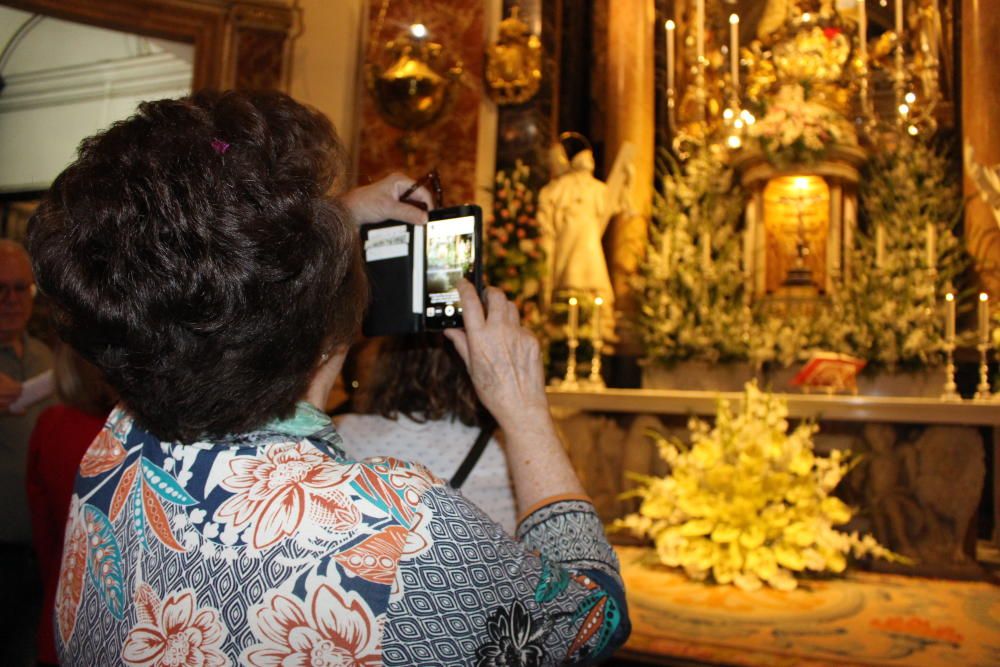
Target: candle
{"type": "Point", "coordinates": [984, 318]}
{"type": "Point", "coordinates": [595, 334]}
{"type": "Point", "coordinates": [706, 251]}
{"type": "Point", "coordinates": [931, 246]}
{"type": "Point", "coordinates": [700, 32]}
{"type": "Point", "coordinates": [671, 46]}
{"type": "Point", "coordinates": [879, 246]}
{"type": "Point", "coordinates": [949, 318]}
{"type": "Point", "coordinates": [574, 317]}
{"type": "Point", "coordinates": [734, 50]}
{"type": "Point", "coordinates": [748, 253]}
{"type": "Point", "coordinates": [899, 25]}
{"type": "Point", "coordinates": [863, 33]}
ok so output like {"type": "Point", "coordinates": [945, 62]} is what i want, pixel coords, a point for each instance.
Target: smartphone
{"type": "Point", "coordinates": [453, 250]}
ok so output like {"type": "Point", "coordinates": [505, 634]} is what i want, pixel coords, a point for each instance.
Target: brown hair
{"type": "Point", "coordinates": [420, 376]}
{"type": "Point", "coordinates": [81, 384]}
{"type": "Point", "coordinates": [194, 254]}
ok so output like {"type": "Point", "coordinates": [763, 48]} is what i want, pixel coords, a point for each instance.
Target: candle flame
{"type": "Point", "coordinates": [573, 301]}
{"type": "Point", "coordinates": [734, 19]}
{"type": "Point", "coordinates": [949, 297]}
{"type": "Point", "coordinates": [670, 25]}
{"type": "Point", "coordinates": [983, 296]}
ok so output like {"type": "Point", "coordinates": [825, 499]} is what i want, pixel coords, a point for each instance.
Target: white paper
{"type": "Point", "coordinates": [382, 232]}
{"type": "Point", "coordinates": [386, 252]}
{"type": "Point", "coordinates": [418, 268]}
{"type": "Point", "coordinates": [36, 389]}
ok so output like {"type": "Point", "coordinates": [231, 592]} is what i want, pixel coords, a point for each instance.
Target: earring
{"type": "Point", "coordinates": [323, 357]}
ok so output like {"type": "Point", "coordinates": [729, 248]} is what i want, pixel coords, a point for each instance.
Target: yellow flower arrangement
{"type": "Point", "coordinates": [747, 503]}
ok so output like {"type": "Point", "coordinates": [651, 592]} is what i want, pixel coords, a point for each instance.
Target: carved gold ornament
{"type": "Point", "coordinates": [514, 62]}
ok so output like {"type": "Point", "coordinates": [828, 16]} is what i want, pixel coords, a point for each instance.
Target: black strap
{"type": "Point", "coordinates": [485, 433]}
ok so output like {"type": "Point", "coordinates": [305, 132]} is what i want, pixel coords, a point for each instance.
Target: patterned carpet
{"type": "Point", "coordinates": [864, 619]}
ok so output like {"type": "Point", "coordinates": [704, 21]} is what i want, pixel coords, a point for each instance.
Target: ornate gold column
{"type": "Point", "coordinates": [981, 129]}
{"type": "Point", "coordinates": [630, 118]}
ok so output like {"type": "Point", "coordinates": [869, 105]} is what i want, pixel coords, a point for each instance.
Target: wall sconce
{"type": "Point", "coordinates": [413, 91]}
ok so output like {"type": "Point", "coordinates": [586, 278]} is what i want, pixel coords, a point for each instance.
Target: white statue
{"type": "Point", "coordinates": [986, 179]}
{"type": "Point", "coordinates": [574, 210]}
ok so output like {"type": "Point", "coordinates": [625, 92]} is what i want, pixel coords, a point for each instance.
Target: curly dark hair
{"type": "Point", "coordinates": [194, 254]}
{"type": "Point", "coordinates": [420, 376]}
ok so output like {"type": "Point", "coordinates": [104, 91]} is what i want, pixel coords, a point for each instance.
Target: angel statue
{"type": "Point", "coordinates": [574, 210]}
{"type": "Point", "coordinates": [986, 179]}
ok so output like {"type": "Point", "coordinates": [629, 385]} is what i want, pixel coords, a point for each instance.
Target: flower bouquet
{"type": "Point", "coordinates": [795, 130]}
{"type": "Point", "coordinates": [515, 260]}
{"type": "Point", "coordinates": [748, 503]}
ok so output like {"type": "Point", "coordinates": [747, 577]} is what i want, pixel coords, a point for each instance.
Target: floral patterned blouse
{"type": "Point", "coordinates": [275, 548]}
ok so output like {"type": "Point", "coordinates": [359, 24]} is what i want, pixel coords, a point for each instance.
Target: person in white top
{"type": "Point", "coordinates": [415, 400]}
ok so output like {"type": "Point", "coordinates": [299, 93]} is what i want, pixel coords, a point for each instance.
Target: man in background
{"type": "Point", "coordinates": [21, 359]}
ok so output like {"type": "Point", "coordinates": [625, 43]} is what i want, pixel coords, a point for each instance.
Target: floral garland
{"type": "Point", "coordinates": [910, 192]}
{"type": "Point", "coordinates": [797, 131]}
{"type": "Point", "coordinates": [515, 260]}
{"type": "Point", "coordinates": [692, 304]}
{"type": "Point", "coordinates": [747, 503]}
{"type": "Point", "coordinates": [691, 283]}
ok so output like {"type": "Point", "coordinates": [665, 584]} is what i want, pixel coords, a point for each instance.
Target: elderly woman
{"type": "Point", "coordinates": [195, 255]}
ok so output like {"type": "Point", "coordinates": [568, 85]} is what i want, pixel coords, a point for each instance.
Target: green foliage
{"type": "Point", "coordinates": [896, 308]}
{"type": "Point", "coordinates": [693, 305]}
{"type": "Point", "coordinates": [691, 282]}
{"type": "Point", "coordinates": [515, 260]}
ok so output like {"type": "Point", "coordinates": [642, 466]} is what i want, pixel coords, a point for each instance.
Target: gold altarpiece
{"type": "Point", "coordinates": [799, 220]}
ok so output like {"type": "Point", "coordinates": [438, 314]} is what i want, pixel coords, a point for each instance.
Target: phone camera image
{"type": "Point", "coordinates": [450, 257]}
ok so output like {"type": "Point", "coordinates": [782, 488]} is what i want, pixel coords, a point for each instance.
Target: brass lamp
{"type": "Point", "coordinates": [414, 90]}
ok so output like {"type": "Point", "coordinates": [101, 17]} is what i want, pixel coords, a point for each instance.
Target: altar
{"type": "Point", "coordinates": [865, 619]}
{"type": "Point", "coordinates": [609, 431]}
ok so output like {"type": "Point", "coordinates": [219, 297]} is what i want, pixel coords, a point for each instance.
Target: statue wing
{"type": "Point", "coordinates": [620, 180]}
{"type": "Point", "coordinates": [987, 180]}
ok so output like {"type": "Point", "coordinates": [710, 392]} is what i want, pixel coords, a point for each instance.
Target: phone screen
{"type": "Point", "coordinates": [451, 255]}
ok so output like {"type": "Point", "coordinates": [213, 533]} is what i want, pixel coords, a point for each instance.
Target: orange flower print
{"type": "Point", "coordinates": [72, 573]}
{"type": "Point", "coordinates": [175, 632]}
{"type": "Point", "coordinates": [332, 627]}
{"type": "Point", "coordinates": [277, 490]}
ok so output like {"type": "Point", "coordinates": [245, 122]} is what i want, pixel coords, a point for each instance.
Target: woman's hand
{"type": "Point", "coordinates": [503, 358]}
{"type": "Point", "coordinates": [505, 364]}
{"type": "Point", "coordinates": [380, 201]}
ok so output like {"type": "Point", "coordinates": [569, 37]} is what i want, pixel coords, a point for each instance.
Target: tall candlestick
{"type": "Point", "coordinates": [671, 28]}
{"type": "Point", "coordinates": [949, 318]}
{"type": "Point", "coordinates": [699, 34]}
{"type": "Point", "coordinates": [574, 316]}
{"type": "Point", "coordinates": [597, 339]}
{"type": "Point", "coordinates": [863, 33]}
{"type": "Point", "coordinates": [899, 74]}
{"type": "Point", "coordinates": [734, 51]}
{"type": "Point", "coordinates": [931, 246]}
{"type": "Point", "coordinates": [950, 388]}
{"type": "Point", "coordinates": [984, 318]}
{"type": "Point", "coordinates": [595, 333]}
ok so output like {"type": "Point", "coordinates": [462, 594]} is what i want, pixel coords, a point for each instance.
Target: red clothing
{"type": "Point", "coordinates": [61, 437]}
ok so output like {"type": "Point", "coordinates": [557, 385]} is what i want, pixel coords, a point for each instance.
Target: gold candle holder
{"type": "Point", "coordinates": [597, 341]}
{"type": "Point", "coordinates": [950, 388]}
{"type": "Point", "coordinates": [983, 392]}
{"type": "Point", "coordinates": [572, 342]}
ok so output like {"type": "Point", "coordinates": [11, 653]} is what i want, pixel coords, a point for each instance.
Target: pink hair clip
{"type": "Point", "coordinates": [220, 146]}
